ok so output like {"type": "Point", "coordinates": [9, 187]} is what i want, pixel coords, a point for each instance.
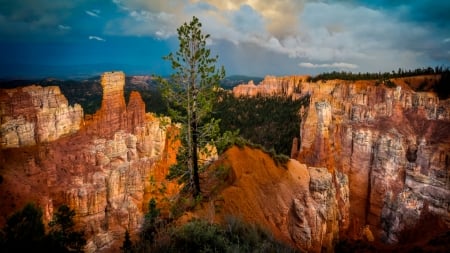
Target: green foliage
{"type": "Point", "coordinates": [379, 76]}
{"type": "Point", "coordinates": [153, 212]}
{"type": "Point", "coordinates": [190, 93]}
{"type": "Point", "coordinates": [226, 140]}
{"type": "Point", "coordinates": [235, 236]}
{"type": "Point", "coordinates": [63, 233]}
{"type": "Point", "coordinates": [247, 237]}
{"type": "Point", "coordinates": [272, 122]}
{"type": "Point", "coordinates": [280, 159]}
{"type": "Point", "coordinates": [200, 236]}
{"type": "Point", "coordinates": [24, 231]}
{"type": "Point", "coordinates": [151, 221]}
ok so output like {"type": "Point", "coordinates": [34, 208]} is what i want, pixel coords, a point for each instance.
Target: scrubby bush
{"type": "Point", "coordinates": [25, 232]}
{"type": "Point", "coordinates": [199, 235]}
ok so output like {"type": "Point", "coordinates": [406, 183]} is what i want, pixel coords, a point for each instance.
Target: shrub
{"type": "Point", "coordinates": [235, 235]}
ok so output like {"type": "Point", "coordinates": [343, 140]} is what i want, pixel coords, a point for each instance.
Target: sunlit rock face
{"type": "Point", "coordinates": [389, 146]}
{"type": "Point", "coordinates": [392, 143]}
{"type": "Point", "coordinates": [272, 86]}
{"type": "Point", "coordinates": [302, 206]}
{"type": "Point", "coordinates": [106, 167]}
{"type": "Point", "coordinates": [112, 115]}
{"type": "Point", "coordinates": [36, 114]}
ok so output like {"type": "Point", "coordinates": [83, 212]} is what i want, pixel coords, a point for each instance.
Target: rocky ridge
{"type": "Point", "coordinates": [391, 143]}
{"type": "Point", "coordinates": [34, 114]}
{"type": "Point", "coordinates": [372, 164]}
{"type": "Point", "coordinates": [106, 171]}
{"type": "Point", "coordinates": [271, 86]}
{"type": "Point", "coordinates": [296, 203]}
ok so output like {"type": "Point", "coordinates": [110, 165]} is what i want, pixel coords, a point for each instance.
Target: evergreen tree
{"type": "Point", "coordinates": [150, 227]}
{"type": "Point", "coordinates": [24, 230]}
{"type": "Point", "coordinates": [127, 246]}
{"type": "Point", "coordinates": [63, 235]}
{"type": "Point", "coordinates": [190, 93]}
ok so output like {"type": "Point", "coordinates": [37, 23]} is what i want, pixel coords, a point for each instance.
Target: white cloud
{"type": "Point", "coordinates": [64, 27]}
{"type": "Point", "coordinates": [93, 13]}
{"type": "Point", "coordinates": [96, 38]}
{"type": "Point", "coordinates": [142, 22]}
{"type": "Point", "coordinates": [340, 65]}
{"type": "Point", "coordinates": [446, 40]}
{"type": "Point", "coordinates": [309, 30]}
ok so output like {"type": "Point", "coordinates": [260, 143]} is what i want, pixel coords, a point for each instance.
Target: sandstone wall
{"type": "Point", "coordinates": [392, 143]}
{"type": "Point", "coordinates": [36, 114]}
{"type": "Point", "coordinates": [297, 203]}
{"type": "Point", "coordinates": [271, 85]}
{"type": "Point", "coordinates": [107, 169]}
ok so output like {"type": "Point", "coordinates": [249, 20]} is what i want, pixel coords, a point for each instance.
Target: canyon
{"type": "Point", "coordinates": [104, 166]}
{"type": "Point", "coordinates": [371, 163]}
{"type": "Point", "coordinates": [386, 148]}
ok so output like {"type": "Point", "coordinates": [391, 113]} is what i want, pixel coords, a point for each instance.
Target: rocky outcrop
{"type": "Point", "coordinates": [289, 86]}
{"type": "Point", "coordinates": [388, 146]}
{"type": "Point", "coordinates": [106, 171]}
{"type": "Point", "coordinates": [36, 114]}
{"type": "Point", "coordinates": [295, 202]}
{"type": "Point", "coordinates": [112, 115]}
{"type": "Point", "coordinates": [393, 144]}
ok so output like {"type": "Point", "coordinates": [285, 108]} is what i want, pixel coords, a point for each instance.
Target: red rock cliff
{"type": "Point", "coordinates": [390, 147]}
{"type": "Point", "coordinates": [107, 171]}
{"type": "Point", "coordinates": [393, 143]}
{"type": "Point", "coordinates": [271, 86]}
{"type": "Point", "coordinates": [296, 203]}
{"type": "Point", "coordinates": [35, 114]}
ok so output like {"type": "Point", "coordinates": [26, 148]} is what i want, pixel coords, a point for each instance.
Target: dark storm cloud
{"type": "Point", "coordinates": [256, 37]}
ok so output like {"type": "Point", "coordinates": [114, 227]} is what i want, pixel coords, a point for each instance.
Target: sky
{"type": "Point", "coordinates": [251, 37]}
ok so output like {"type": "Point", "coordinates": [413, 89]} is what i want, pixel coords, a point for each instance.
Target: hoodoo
{"type": "Point", "coordinates": [101, 167]}
{"type": "Point", "coordinates": [391, 142]}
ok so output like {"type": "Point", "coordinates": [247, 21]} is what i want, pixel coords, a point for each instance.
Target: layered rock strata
{"type": "Point", "coordinates": [272, 86]}
{"type": "Point", "coordinates": [106, 171]}
{"type": "Point", "coordinates": [35, 114]}
{"type": "Point", "coordinates": [114, 115]}
{"type": "Point", "coordinates": [392, 143]}
{"type": "Point", "coordinates": [295, 202]}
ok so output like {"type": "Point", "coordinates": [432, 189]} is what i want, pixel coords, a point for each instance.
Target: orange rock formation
{"type": "Point", "coordinates": [372, 163]}
{"type": "Point", "coordinates": [393, 144]}
{"type": "Point", "coordinates": [296, 203]}
{"type": "Point", "coordinates": [102, 171]}
{"type": "Point", "coordinates": [271, 85]}
{"type": "Point", "coordinates": [35, 114]}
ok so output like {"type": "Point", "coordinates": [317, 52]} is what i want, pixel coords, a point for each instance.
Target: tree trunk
{"type": "Point", "coordinates": [195, 155]}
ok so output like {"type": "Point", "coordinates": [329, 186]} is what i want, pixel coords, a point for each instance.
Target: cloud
{"type": "Point", "coordinates": [96, 38]}
{"type": "Point", "coordinates": [119, 4]}
{"type": "Point", "coordinates": [64, 27]}
{"type": "Point", "coordinates": [373, 37]}
{"type": "Point", "coordinates": [141, 22]}
{"type": "Point", "coordinates": [93, 13]}
{"type": "Point", "coordinates": [340, 65]}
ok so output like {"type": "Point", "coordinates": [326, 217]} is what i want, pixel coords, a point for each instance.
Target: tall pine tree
{"type": "Point", "coordinates": [190, 92]}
